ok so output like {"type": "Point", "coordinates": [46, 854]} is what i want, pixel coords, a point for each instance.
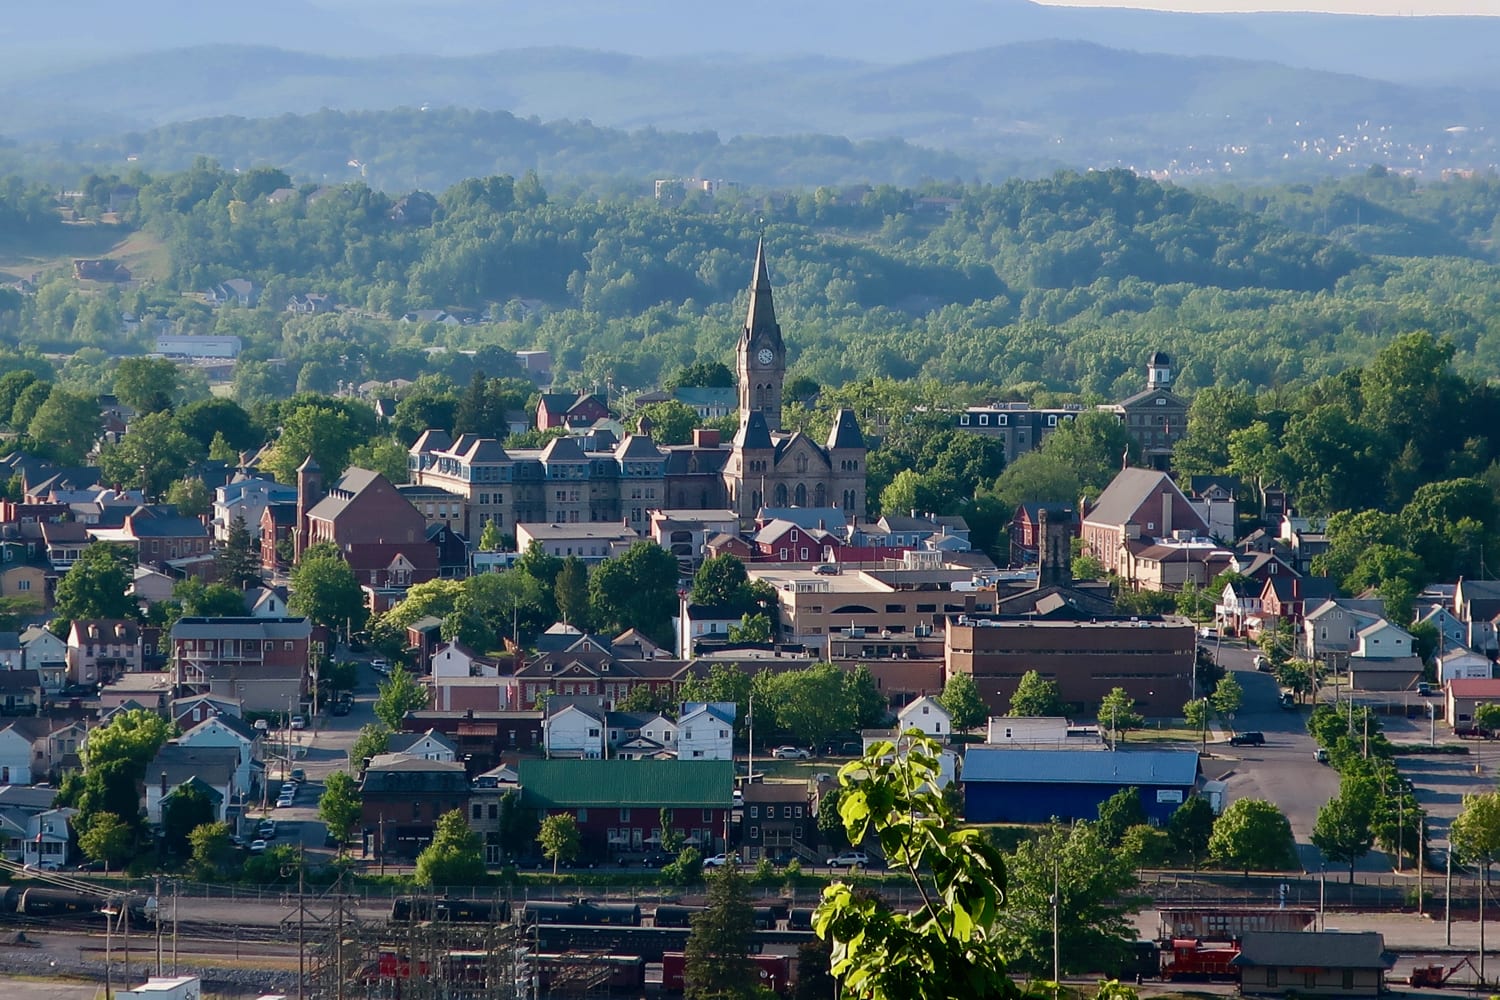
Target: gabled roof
{"type": "Point", "coordinates": [1129, 489]}
{"type": "Point", "coordinates": [432, 439]}
{"type": "Point", "coordinates": [1483, 688]}
{"type": "Point", "coordinates": [754, 432]}
{"type": "Point", "coordinates": [845, 431]}
{"type": "Point", "coordinates": [180, 762]}
{"type": "Point", "coordinates": [403, 742]}
{"type": "Point", "coordinates": [232, 723]}
{"type": "Point", "coordinates": [724, 711]}
{"type": "Point", "coordinates": [1083, 767]}
{"type": "Point", "coordinates": [637, 447]}
{"type": "Point", "coordinates": [563, 449]}
{"type": "Point", "coordinates": [483, 450]}
{"type": "Point", "coordinates": [760, 318]}
{"type": "Point", "coordinates": [352, 484]}
{"type": "Point", "coordinates": [20, 680]}
{"type": "Point", "coordinates": [1314, 949]}
{"type": "Point", "coordinates": [671, 784]}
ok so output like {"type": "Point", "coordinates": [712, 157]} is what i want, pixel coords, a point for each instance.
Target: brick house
{"type": "Point", "coordinates": [618, 803]}
{"type": "Point", "coordinates": [401, 798]}
{"type": "Point", "coordinates": [1138, 507]}
{"type": "Point", "coordinates": [102, 649]}
{"type": "Point", "coordinates": [778, 822]}
{"type": "Point", "coordinates": [259, 662]}
{"type": "Point", "coordinates": [569, 409]}
{"type": "Point", "coordinates": [1026, 527]}
{"type": "Point", "coordinates": [380, 534]}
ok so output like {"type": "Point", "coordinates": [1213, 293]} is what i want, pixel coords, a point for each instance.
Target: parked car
{"type": "Point", "coordinates": [1426, 690]}
{"type": "Point", "coordinates": [1253, 738]}
{"type": "Point", "coordinates": [849, 859]}
{"type": "Point", "coordinates": [791, 753]}
{"type": "Point", "coordinates": [339, 708]}
{"type": "Point", "coordinates": [718, 860]}
{"type": "Point", "coordinates": [380, 666]}
{"type": "Point", "coordinates": [826, 569]}
{"type": "Point", "coordinates": [1208, 632]}
{"type": "Point", "coordinates": [298, 774]}
{"type": "Point", "coordinates": [1262, 664]}
{"type": "Point", "coordinates": [1320, 755]}
{"type": "Point", "coordinates": [257, 846]}
{"type": "Point", "coordinates": [298, 722]}
{"type": "Point", "coordinates": [267, 830]}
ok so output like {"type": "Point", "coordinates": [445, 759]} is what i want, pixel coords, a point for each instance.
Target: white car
{"type": "Point", "coordinates": [849, 859]}
{"type": "Point", "coordinates": [718, 860]}
{"type": "Point", "coordinates": [257, 846]}
{"type": "Point", "coordinates": [298, 722]}
{"type": "Point", "coordinates": [791, 753]}
{"type": "Point", "coordinates": [286, 801]}
{"type": "Point", "coordinates": [1208, 632]}
{"type": "Point", "coordinates": [380, 666]}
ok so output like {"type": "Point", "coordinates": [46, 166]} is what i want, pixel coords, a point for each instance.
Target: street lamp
{"type": "Point", "coordinates": [109, 916]}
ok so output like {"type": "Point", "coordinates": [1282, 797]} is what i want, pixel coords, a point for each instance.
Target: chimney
{"type": "Point", "coordinates": [706, 437]}
{"type": "Point", "coordinates": [1166, 514]}
{"type": "Point", "coordinates": [164, 784]}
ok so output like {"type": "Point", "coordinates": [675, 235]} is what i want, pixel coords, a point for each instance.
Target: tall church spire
{"type": "Point", "coordinates": [760, 319]}
{"type": "Point", "coordinates": [760, 357]}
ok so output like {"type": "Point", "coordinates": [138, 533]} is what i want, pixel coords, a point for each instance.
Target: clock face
{"type": "Point", "coordinates": [766, 356]}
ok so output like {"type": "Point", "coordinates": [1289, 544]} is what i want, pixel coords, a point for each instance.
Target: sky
{"type": "Point", "coordinates": [1488, 7]}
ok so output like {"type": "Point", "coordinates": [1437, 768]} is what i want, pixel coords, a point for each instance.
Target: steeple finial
{"type": "Point", "coordinates": [761, 317]}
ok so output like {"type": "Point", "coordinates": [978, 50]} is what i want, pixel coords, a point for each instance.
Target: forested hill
{"type": "Point", "coordinates": [987, 113]}
{"type": "Point", "coordinates": [1063, 284]}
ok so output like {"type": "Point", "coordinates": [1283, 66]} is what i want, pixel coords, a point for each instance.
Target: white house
{"type": "Point", "coordinates": [661, 730]}
{"type": "Point", "coordinates": [573, 732]}
{"type": "Point", "coordinates": [16, 755]}
{"type": "Point", "coordinates": [1458, 663]}
{"type": "Point", "coordinates": [699, 622]}
{"type": "Point", "coordinates": [228, 731]}
{"type": "Point", "coordinates": [1026, 731]}
{"type": "Point", "coordinates": [705, 731]}
{"type": "Point", "coordinates": [431, 745]}
{"type": "Point", "coordinates": [47, 655]}
{"type": "Point", "coordinates": [266, 602]}
{"type": "Point", "coordinates": [928, 715]}
{"type": "Point", "coordinates": [454, 659]}
{"type": "Point", "coordinates": [46, 839]}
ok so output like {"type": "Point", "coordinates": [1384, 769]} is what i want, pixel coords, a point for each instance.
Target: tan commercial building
{"type": "Point", "coordinates": [1151, 658]}
{"type": "Point", "coordinates": [889, 605]}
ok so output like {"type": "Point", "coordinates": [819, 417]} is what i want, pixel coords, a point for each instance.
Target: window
{"type": "Point", "coordinates": [755, 833]}
{"type": "Point", "coordinates": [1348, 979]}
{"type": "Point", "coordinates": [963, 420]}
{"type": "Point", "coordinates": [1161, 400]}
{"type": "Point", "coordinates": [23, 585]}
{"type": "Point", "coordinates": [708, 815]}
{"type": "Point", "coordinates": [1270, 977]}
{"type": "Point", "coordinates": [624, 815]}
{"type": "Point", "coordinates": [478, 811]}
{"type": "Point", "coordinates": [799, 812]}
{"type": "Point", "coordinates": [755, 812]}
{"type": "Point", "coordinates": [1051, 420]}
{"type": "Point", "coordinates": [984, 420]}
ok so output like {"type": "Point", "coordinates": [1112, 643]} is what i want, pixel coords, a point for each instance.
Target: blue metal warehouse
{"type": "Point", "coordinates": [1033, 786]}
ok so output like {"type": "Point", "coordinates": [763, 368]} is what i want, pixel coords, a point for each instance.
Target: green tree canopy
{"type": "Point", "coordinates": [559, 838]}
{"type": "Point", "coordinates": [961, 698]}
{"type": "Point", "coordinates": [95, 585]}
{"type": "Point", "coordinates": [325, 589]}
{"type": "Point", "coordinates": [455, 856]}
{"type": "Point", "coordinates": [339, 805]}
{"type": "Point", "coordinates": [399, 693]}
{"type": "Point", "coordinates": [1342, 830]}
{"type": "Point", "coordinates": [717, 963]}
{"type": "Point", "coordinates": [1252, 833]}
{"type": "Point", "coordinates": [1035, 696]}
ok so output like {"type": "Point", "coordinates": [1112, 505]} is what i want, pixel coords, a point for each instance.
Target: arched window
{"type": "Point", "coordinates": [781, 494]}
{"type": "Point", "coordinates": [755, 499]}
{"type": "Point", "coordinates": [801, 495]}
{"type": "Point", "coordinates": [820, 496]}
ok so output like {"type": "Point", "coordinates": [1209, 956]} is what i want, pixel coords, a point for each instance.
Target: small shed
{"type": "Point", "coordinates": [1005, 785]}
{"type": "Point", "coordinates": [1325, 963]}
{"type": "Point", "coordinates": [1395, 674]}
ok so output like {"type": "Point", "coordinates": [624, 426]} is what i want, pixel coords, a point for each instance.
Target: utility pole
{"type": "Point", "coordinates": [158, 926]}
{"type": "Point", "coordinates": [174, 927]}
{"type": "Point", "coordinates": [1421, 859]}
{"type": "Point", "coordinates": [1448, 901]}
{"type": "Point", "coordinates": [1056, 958]}
{"type": "Point", "coordinates": [301, 925]}
{"type": "Point", "coordinates": [109, 917]}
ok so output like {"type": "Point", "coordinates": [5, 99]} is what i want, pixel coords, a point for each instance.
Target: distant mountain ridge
{"type": "Point", "coordinates": [1050, 102]}
{"type": "Point", "coordinates": [1411, 49]}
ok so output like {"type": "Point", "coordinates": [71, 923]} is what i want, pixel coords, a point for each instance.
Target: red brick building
{"type": "Point", "coordinates": [1137, 508]}
{"type": "Point", "coordinates": [376, 529]}
{"type": "Point", "coordinates": [401, 798]}
{"type": "Point", "coordinates": [567, 409]}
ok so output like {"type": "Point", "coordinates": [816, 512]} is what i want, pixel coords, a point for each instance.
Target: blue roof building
{"type": "Point", "coordinates": [1002, 785]}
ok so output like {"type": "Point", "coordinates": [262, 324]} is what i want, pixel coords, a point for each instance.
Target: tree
{"type": "Point", "coordinates": [1195, 714]}
{"type": "Point", "coordinates": [373, 739]}
{"type": "Point", "coordinates": [1119, 813]}
{"type": "Point", "coordinates": [107, 839]}
{"type": "Point", "coordinates": [322, 428]}
{"type": "Point", "coordinates": [809, 704]}
{"type": "Point", "coordinates": [133, 737]}
{"type": "Point", "coordinates": [637, 589]}
{"type": "Point", "coordinates": [68, 424]}
{"type": "Point", "coordinates": [672, 422]}
{"type": "Point", "coordinates": [325, 589]}
{"type": "Point", "coordinates": [871, 709]}
{"type": "Point", "coordinates": [155, 453]}
{"type": "Point", "coordinates": [1034, 697]}
{"type": "Point", "coordinates": [95, 585]}
{"type": "Point", "coordinates": [187, 808]}
{"type": "Point", "coordinates": [1487, 718]}
{"type": "Point", "coordinates": [210, 846]}
{"type": "Point", "coordinates": [720, 582]}
{"type": "Point", "coordinates": [399, 693]}
{"type": "Point", "coordinates": [717, 963]}
{"type": "Point", "coordinates": [455, 856]}
{"type": "Point", "coordinates": [386, 456]}
{"type": "Point", "coordinates": [813, 980]}
{"type": "Point", "coordinates": [559, 838]}
{"type": "Point", "coordinates": [1342, 830]}
{"type": "Point", "coordinates": [949, 945]}
{"type": "Point", "coordinates": [570, 592]}
{"type": "Point", "coordinates": [1191, 826]}
{"type": "Point", "coordinates": [238, 561]}
{"type": "Point", "coordinates": [750, 629]}
{"type": "Point", "coordinates": [1475, 834]}
{"type": "Point", "coordinates": [1117, 711]}
{"type": "Point", "coordinates": [490, 539]}
{"type": "Point", "coordinates": [1252, 833]}
{"type": "Point", "coordinates": [148, 385]}
{"type": "Point", "coordinates": [339, 806]}
{"type": "Point", "coordinates": [830, 823]}
{"type": "Point", "coordinates": [1227, 697]}
{"type": "Point", "coordinates": [1096, 891]}
{"type": "Point", "coordinates": [961, 698]}
{"type": "Point", "coordinates": [191, 497]}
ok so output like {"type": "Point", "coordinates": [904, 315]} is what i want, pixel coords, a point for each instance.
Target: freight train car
{"type": "Point", "coordinates": [580, 911]}
{"type": "Point", "coordinates": [675, 915]}
{"type": "Point", "coordinates": [1191, 959]}
{"type": "Point", "coordinates": [774, 972]}
{"type": "Point", "coordinates": [407, 909]}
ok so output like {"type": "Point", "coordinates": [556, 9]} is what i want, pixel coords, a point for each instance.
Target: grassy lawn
{"type": "Point", "coordinates": [795, 770]}
{"type": "Point", "coordinates": [1166, 731]}
{"type": "Point", "coordinates": [143, 253]}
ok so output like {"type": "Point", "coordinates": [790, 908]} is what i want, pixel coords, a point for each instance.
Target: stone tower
{"type": "Point", "coordinates": [760, 357]}
{"type": "Point", "coordinates": [309, 492]}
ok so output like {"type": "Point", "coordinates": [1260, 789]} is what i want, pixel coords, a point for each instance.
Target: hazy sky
{"type": "Point", "coordinates": [1490, 7]}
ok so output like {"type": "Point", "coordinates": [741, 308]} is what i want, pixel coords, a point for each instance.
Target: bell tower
{"type": "Point", "coordinates": [760, 356]}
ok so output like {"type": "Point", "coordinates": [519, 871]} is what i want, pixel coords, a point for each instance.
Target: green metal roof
{"type": "Point", "coordinates": [557, 784]}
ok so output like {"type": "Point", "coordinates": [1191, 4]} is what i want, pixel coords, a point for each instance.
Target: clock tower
{"type": "Point", "coordinates": [760, 357]}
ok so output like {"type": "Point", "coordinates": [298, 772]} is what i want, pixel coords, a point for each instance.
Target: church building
{"type": "Point", "coordinates": [770, 467]}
